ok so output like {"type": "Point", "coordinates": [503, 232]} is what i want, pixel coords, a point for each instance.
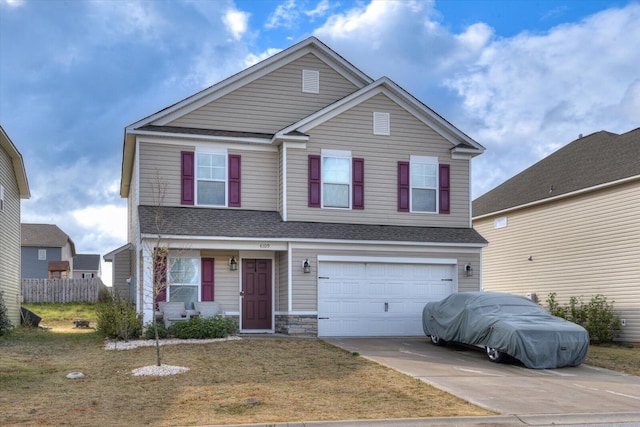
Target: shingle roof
{"type": "Point", "coordinates": [234, 223]}
{"type": "Point", "coordinates": [86, 262]}
{"type": "Point", "coordinates": [593, 160]}
{"type": "Point", "coordinates": [45, 235]}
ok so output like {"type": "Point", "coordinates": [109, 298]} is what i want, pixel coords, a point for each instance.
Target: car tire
{"type": "Point", "coordinates": [495, 355]}
{"type": "Point", "coordinates": [436, 340]}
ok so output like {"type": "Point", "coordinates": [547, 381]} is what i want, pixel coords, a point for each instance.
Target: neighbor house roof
{"type": "Point", "coordinates": [86, 262]}
{"type": "Point", "coordinates": [238, 224]}
{"type": "Point", "coordinates": [589, 162]}
{"type": "Point", "coordinates": [45, 235]}
{"type": "Point", "coordinates": [18, 164]}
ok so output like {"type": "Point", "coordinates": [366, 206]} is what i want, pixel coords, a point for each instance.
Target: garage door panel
{"type": "Point", "coordinates": [378, 299]}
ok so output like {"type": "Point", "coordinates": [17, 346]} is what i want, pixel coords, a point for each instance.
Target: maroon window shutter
{"type": "Point", "coordinates": [234, 180]}
{"type": "Point", "coordinates": [207, 284]}
{"type": "Point", "coordinates": [403, 187]}
{"type": "Point", "coordinates": [160, 274]}
{"type": "Point", "coordinates": [187, 176]}
{"type": "Point", "coordinates": [314, 181]}
{"type": "Point", "coordinates": [445, 192]}
{"type": "Point", "coordinates": [358, 183]}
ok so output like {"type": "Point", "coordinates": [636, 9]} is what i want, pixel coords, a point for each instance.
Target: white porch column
{"type": "Point", "coordinates": [146, 282]}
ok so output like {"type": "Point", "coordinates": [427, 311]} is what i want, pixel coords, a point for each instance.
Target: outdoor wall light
{"type": "Point", "coordinates": [468, 270]}
{"type": "Point", "coordinates": [306, 267]}
{"type": "Point", "coordinates": [233, 264]}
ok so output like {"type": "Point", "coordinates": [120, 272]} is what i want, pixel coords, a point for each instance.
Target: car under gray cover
{"type": "Point", "coordinates": [510, 324]}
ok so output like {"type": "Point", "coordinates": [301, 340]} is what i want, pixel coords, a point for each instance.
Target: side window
{"type": "Point", "coordinates": [211, 179]}
{"type": "Point", "coordinates": [336, 180]}
{"type": "Point", "coordinates": [42, 254]}
{"type": "Point", "coordinates": [1, 198]}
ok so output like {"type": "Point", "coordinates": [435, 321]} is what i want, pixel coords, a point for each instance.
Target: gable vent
{"type": "Point", "coordinates": [381, 124]}
{"type": "Point", "coordinates": [310, 81]}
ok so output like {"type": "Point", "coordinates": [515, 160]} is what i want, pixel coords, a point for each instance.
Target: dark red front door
{"type": "Point", "coordinates": [256, 291]}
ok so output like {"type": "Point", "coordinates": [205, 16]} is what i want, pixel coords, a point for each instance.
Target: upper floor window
{"type": "Point", "coordinates": [211, 179]}
{"type": "Point", "coordinates": [424, 184]}
{"type": "Point", "coordinates": [42, 254]}
{"type": "Point", "coordinates": [336, 179]}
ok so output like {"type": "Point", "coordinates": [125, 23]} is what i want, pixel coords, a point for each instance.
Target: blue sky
{"type": "Point", "coordinates": [523, 78]}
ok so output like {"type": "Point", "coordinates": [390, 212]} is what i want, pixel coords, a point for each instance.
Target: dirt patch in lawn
{"type": "Point", "coordinates": [252, 380]}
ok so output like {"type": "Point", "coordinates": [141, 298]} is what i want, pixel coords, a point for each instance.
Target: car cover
{"type": "Point", "coordinates": [512, 324]}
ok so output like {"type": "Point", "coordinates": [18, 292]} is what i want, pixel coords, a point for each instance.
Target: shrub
{"type": "Point", "coordinates": [103, 295]}
{"type": "Point", "coordinates": [5, 323]}
{"type": "Point", "coordinates": [597, 316]}
{"type": "Point", "coordinates": [150, 334]}
{"type": "Point", "coordinates": [117, 318]}
{"type": "Point", "coordinates": [200, 328]}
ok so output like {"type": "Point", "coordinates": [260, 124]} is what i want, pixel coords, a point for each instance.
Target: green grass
{"type": "Point", "coordinates": [57, 313]}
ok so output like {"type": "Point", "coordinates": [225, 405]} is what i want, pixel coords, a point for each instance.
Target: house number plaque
{"type": "Point", "coordinates": [265, 245]}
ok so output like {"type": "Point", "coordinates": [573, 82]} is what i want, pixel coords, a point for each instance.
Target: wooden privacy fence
{"type": "Point", "coordinates": [61, 290]}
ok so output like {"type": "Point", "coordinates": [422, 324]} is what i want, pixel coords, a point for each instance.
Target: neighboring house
{"type": "Point", "coordinates": [86, 266]}
{"type": "Point", "coordinates": [304, 197]}
{"type": "Point", "coordinates": [47, 252]}
{"type": "Point", "coordinates": [569, 224]}
{"type": "Point", "coordinates": [13, 187]}
{"type": "Point", "coordinates": [121, 269]}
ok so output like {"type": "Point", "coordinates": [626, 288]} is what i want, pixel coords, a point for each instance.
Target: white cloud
{"type": "Point", "coordinates": [286, 15]}
{"type": "Point", "coordinates": [320, 10]}
{"type": "Point", "coordinates": [13, 3]}
{"type": "Point", "coordinates": [236, 22]}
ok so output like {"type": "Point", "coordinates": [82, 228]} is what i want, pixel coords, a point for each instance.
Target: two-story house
{"type": "Point", "coordinates": [13, 187]}
{"type": "Point", "coordinates": [304, 197]}
{"type": "Point", "coordinates": [47, 252]}
{"type": "Point", "coordinates": [570, 225]}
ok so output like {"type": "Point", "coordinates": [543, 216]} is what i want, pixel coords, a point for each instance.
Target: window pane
{"type": "Point", "coordinates": [211, 166]}
{"type": "Point", "coordinates": [423, 200]}
{"type": "Point", "coordinates": [211, 193]}
{"type": "Point", "coordinates": [184, 271]}
{"type": "Point", "coordinates": [335, 195]}
{"type": "Point", "coordinates": [423, 175]}
{"type": "Point", "coordinates": [336, 170]}
{"type": "Point", "coordinates": [186, 294]}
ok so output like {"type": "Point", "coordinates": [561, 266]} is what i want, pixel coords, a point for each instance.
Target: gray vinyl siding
{"type": "Point", "coordinates": [226, 282]}
{"type": "Point", "coordinates": [10, 284]}
{"type": "Point", "coordinates": [32, 267]}
{"type": "Point", "coordinates": [160, 164]}
{"type": "Point", "coordinates": [580, 247]}
{"type": "Point", "coordinates": [271, 102]}
{"type": "Point", "coordinates": [121, 272]}
{"type": "Point", "coordinates": [305, 289]}
{"type": "Point", "coordinates": [160, 173]}
{"type": "Point", "coordinates": [353, 130]}
{"type": "Point", "coordinates": [282, 282]}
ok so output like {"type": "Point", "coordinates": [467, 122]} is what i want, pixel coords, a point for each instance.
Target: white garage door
{"type": "Point", "coordinates": [378, 299]}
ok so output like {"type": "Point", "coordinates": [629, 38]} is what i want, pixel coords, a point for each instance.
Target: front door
{"type": "Point", "coordinates": [256, 294]}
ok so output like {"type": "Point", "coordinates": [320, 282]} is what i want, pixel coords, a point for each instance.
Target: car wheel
{"type": "Point", "coordinates": [496, 355]}
{"type": "Point", "coordinates": [436, 340]}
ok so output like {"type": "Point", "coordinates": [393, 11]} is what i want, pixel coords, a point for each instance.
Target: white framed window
{"type": "Point", "coordinates": [336, 179]}
{"type": "Point", "coordinates": [424, 184]}
{"type": "Point", "coordinates": [42, 254]}
{"type": "Point", "coordinates": [183, 279]}
{"type": "Point", "coordinates": [211, 179]}
{"type": "Point", "coordinates": [381, 123]}
{"type": "Point", "coordinates": [88, 275]}
{"type": "Point", "coordinates": [310, 81]}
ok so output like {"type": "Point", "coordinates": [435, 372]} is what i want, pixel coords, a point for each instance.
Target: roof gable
{"type": "Point", "coordinates": [45, 235]}
{"type": "Point", "coordinates": [86, 262]}
{"type": "Point", "coordinates": [18, 164]}
{"type": "Point", "coordinates": [401, 97]}
{"type": "Point", "coordinates": [588, 162]}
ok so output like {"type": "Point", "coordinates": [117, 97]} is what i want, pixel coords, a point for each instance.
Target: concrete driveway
{"type": "Point", "coordinates": [509, 389]}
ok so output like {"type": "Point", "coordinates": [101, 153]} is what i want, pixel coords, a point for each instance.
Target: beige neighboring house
{"type": "Point", "coordinates": [303, 197]}
{"type": "Point", "coordinates": [569, 224]}
{"type": "Point", "coordinates": [13, 187]}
